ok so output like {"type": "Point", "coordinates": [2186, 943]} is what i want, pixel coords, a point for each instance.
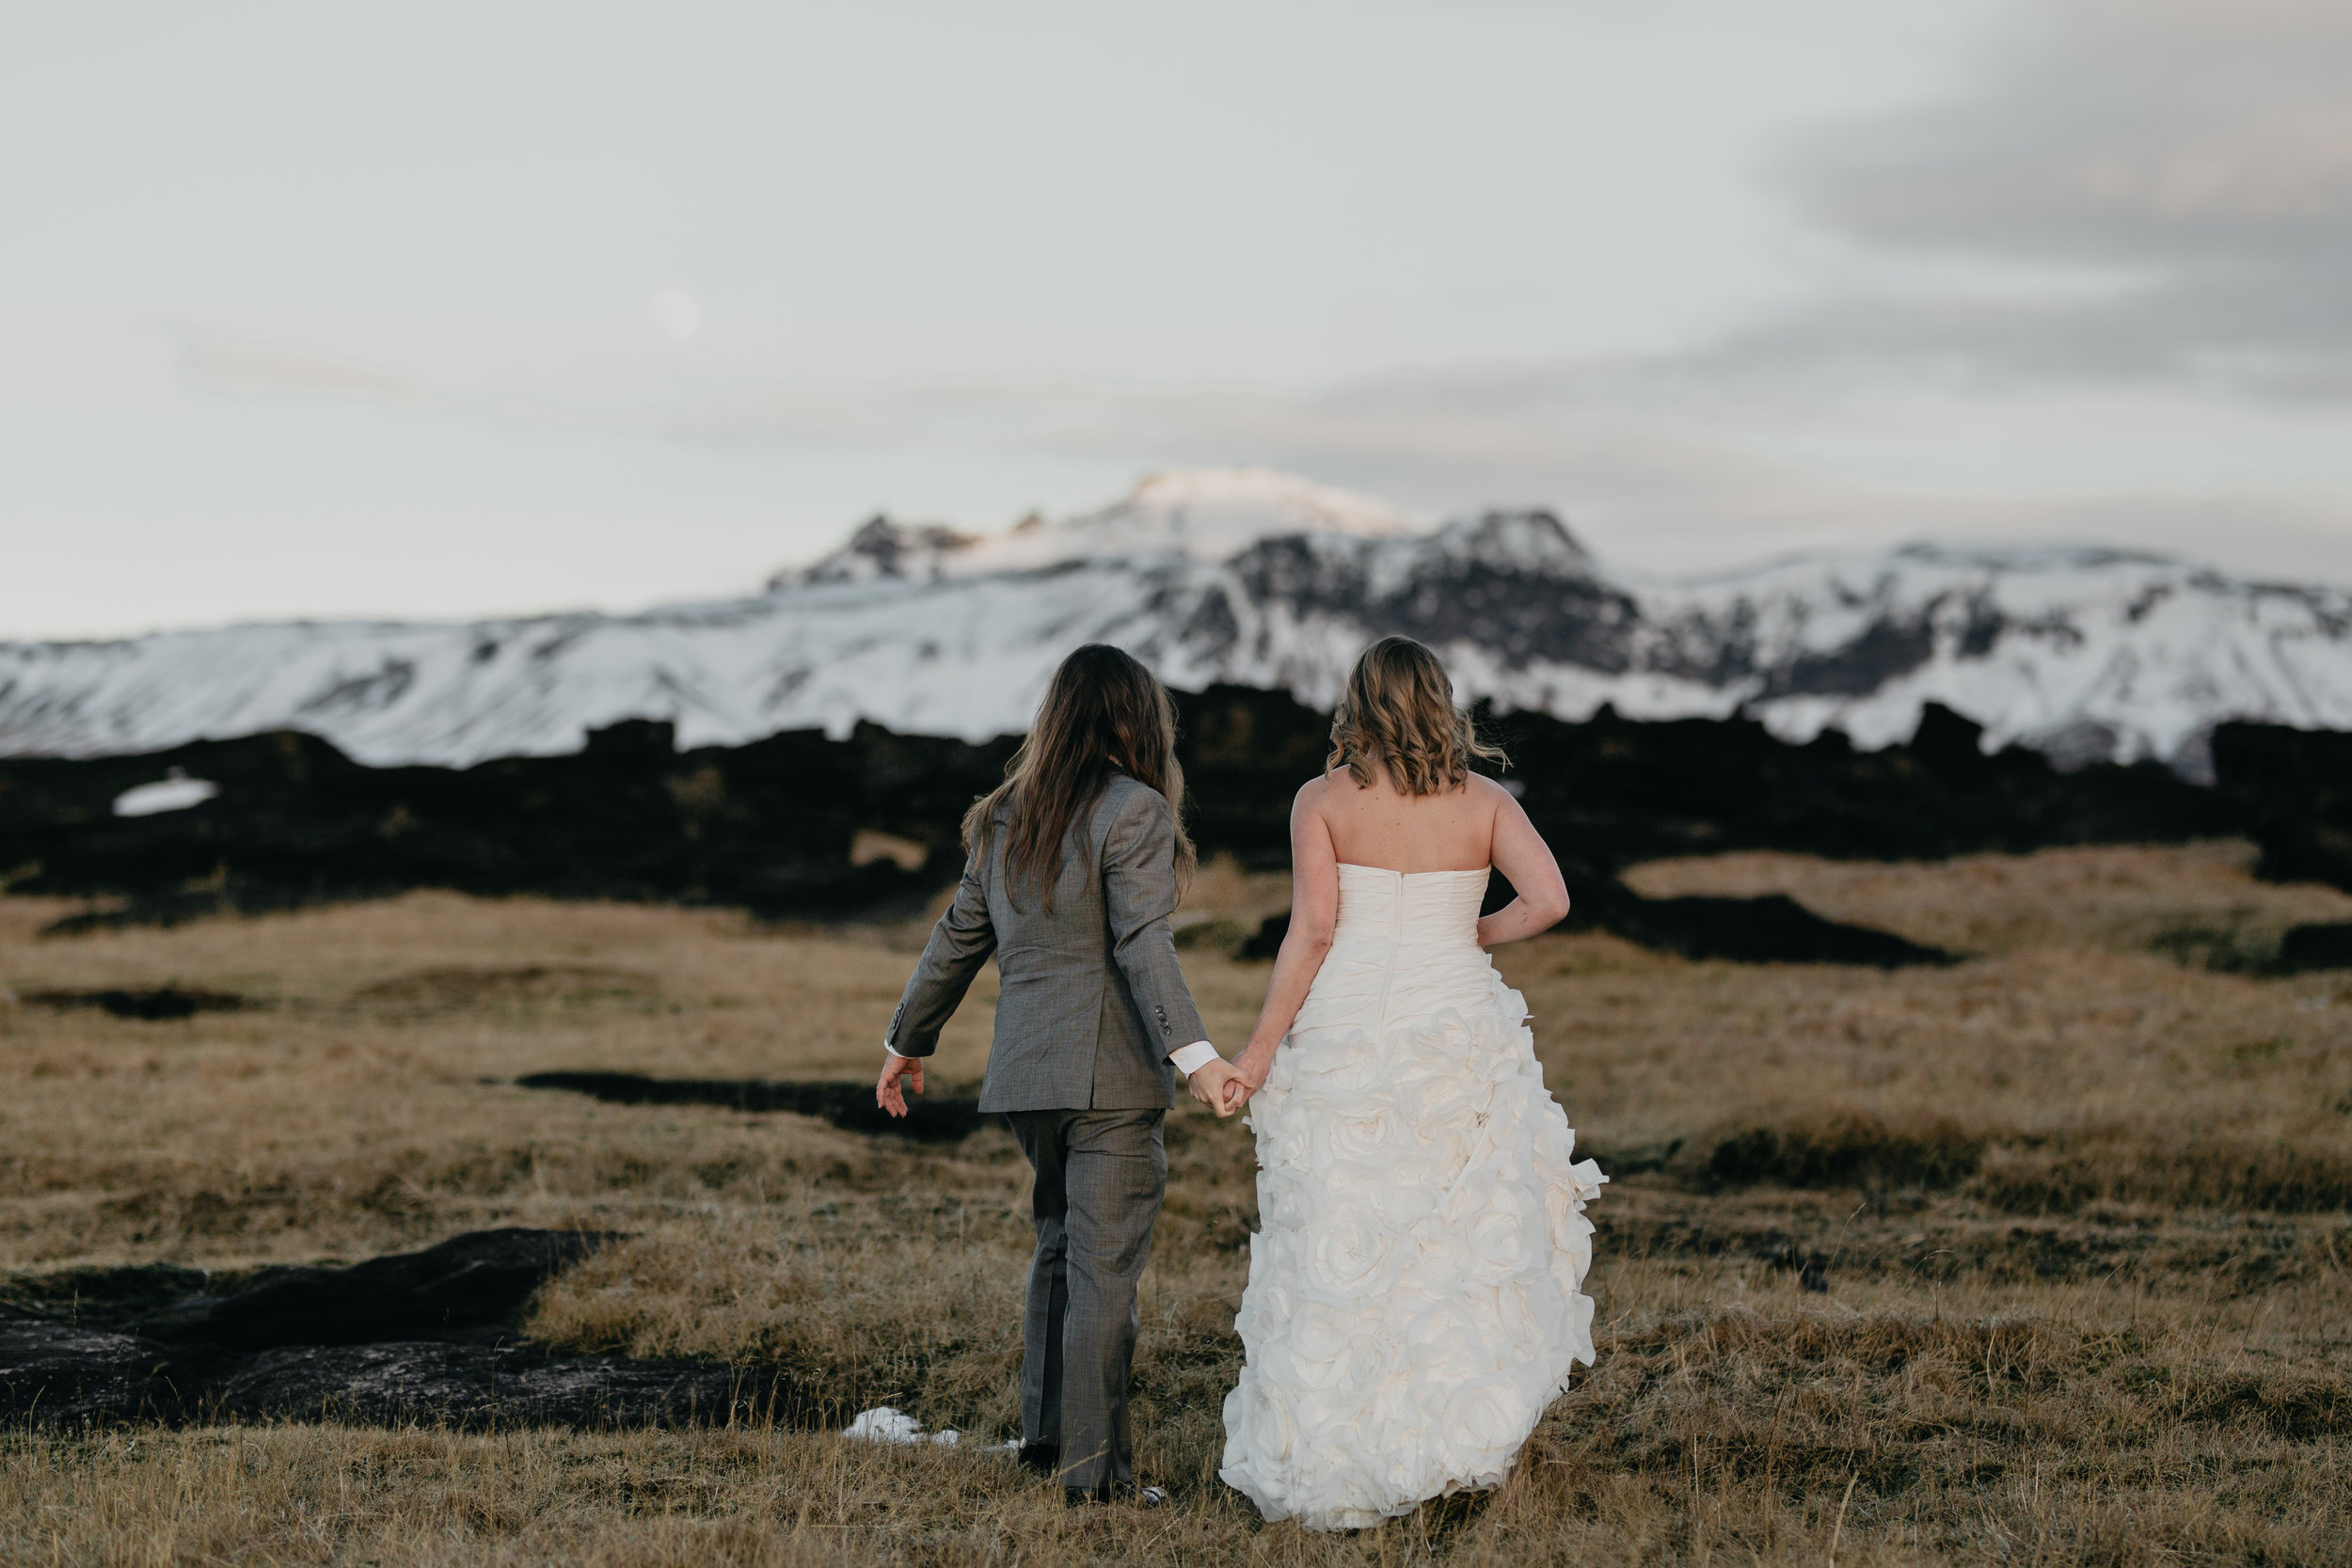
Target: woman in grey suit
{"type": "Point", "coordinates": [1074, 864]}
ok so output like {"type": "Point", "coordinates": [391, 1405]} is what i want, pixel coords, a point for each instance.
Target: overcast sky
{"type": "Point", "coordinates": [439, 309]}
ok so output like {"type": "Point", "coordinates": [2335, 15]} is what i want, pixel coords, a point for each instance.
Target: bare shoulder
{"type": "Point", "coordinates": [1490, 793]}
{"type": "Point", "coordinates": [1315, 801]}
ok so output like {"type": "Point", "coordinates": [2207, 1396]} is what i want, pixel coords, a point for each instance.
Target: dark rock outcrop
{"type": "Point", "coordinates": [848, 1106]}
{"type": "Point", "coordinates": [2322, 946]}
{"type": "Point", "coordinates": [152, 1005]}
{"type": "Point", "coordinates": [2294, 787]}
{"type": "Point", "coordinates": [478, 1386]}
{"type": "Point", "coordinates": [1609, 791]}
{"type": "Point", "coordinates": [1775, 928]}
{"type": "Point", "coordinates": [1771, 929]}
{"type": "Point", "coordinates": [768, 827]}
{"type": "Point", "coordinates": [464, 1287]}
{"type": "Point", "coordinates": [59, 1374]}
{"type": "Point", "coordinates": [1264, 944]}
{"type": "Point", "coordinates": [772, 827]}
{"type": "Point", "coordinates": [416, 1337]}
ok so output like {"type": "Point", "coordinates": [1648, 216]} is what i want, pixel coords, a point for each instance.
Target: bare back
{"type": "Point", "coordinates": [1335, 821]}
{"type": "Point", "coordinates": [1382, 827]}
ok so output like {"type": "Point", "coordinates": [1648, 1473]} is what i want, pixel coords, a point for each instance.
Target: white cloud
{"type": "Point", "coordinates": [1615, 446]}
{"type": "Point", "coordinates": [212, 363]}
{"type": "Point", "coordinates": [2184, 167]}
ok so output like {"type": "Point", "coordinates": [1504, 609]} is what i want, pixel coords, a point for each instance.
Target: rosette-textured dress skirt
{"type": "Point", "coordinates": [1414, 1296]}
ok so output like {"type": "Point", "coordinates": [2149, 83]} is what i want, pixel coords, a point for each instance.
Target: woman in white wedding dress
{"type": "Point", "coordinates": [1413, 1301]}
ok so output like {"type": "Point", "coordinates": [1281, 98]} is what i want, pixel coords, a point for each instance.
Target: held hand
{"type": "Point", "coordinates": [887, 1094]}
{"type": "Point", "coordinates": [1249, 1073]}
{"type": "Point", "coordinates": [1209, 1084]}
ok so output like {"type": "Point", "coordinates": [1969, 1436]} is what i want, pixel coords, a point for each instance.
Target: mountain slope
{"type": "Point", "coordinates": [1257, 578]}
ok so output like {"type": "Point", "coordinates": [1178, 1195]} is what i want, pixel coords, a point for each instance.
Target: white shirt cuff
{"type": "Point", "coordinates": [1189, 1059]}
{"type": "Point", "coordinates": [1185, 1059]}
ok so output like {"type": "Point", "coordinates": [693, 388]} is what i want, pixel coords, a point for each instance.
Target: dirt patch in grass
{"type": "Point", "coordinates": [935, 1117]}
{"type": "Point", "coordinates": [2023, 1173]}
{"type": "Point", "coordinates": [2063, 1174]}
{"type": "Point", "coordinates": [524, 985]}
{"type": "Point", "coordinates": [148, 1004]}
{"type": "Point", "coordinates": [1854, 1150]}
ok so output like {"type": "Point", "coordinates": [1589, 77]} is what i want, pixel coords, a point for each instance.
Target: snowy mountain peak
{"type": "Point", "coordinates": [1264, 579]}
{"type": "Point", "coordinates": [881, 548]}
{"type": "Point", "coordinates": [1215, 514]}
{"type": "Point", "coordinates": [1201, 513]}
{"type": "Point", "coordinates": [1533, 539]}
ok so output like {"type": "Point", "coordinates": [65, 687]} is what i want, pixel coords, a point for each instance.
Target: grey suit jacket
{"type": "Point", "coordinates": [1092, 999]}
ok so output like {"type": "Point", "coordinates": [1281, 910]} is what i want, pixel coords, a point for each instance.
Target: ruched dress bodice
{"type": "Point", "coordinates": [1413, 1301]}
{"type": "Point", "coordinates": [1403, 939]}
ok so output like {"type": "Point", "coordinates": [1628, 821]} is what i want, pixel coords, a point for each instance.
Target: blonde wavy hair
{"type": "Point", "coordinates": [1399, 714]}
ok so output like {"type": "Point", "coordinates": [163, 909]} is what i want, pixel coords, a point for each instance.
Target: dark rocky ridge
{"type": "Point", "coordinates": [766, 826]}
{"type": "Point", "coordinates": [462, 1289]}
{"type": "Point", "coordinates": [770, 827]}
{"type": "Point", "coordinates": [417, 1337]}
{"type": "Point", "coordinates": [152, 1004]}
{"type": "Point", "coordinates": [929, 1118]}
{"type": "Point", "coordinates": [1775, 928]}
{"type": "Point", "coordinates": [1516, 583]}
{"type": "Point", "coordinates": [2296, 789]}
{"type": "Point", "coordinates": [2326, 945]}
{"type": "Point", "coordinates": [1253, 579]}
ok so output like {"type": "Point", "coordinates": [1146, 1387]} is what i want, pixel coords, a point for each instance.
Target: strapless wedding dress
{"type": "Point", "coordinates": [1413, 1301]}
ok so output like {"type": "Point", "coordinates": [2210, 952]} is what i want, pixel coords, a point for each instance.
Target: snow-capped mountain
{"type": "Point", "coordinates": [1266, 580]}
{"type": "Point", "coordinates": [1202, 515]}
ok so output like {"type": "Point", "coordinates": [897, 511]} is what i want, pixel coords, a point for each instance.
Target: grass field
{"type": "Point", "coordinates": [2043, 1258]}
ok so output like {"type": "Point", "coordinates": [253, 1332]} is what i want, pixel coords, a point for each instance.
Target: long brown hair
{"type": "Point", "coordinates": [1398, 713]}
{"type": "Point", "coordinates": [1103, 712]}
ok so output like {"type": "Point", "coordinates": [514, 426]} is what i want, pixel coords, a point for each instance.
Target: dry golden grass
{"type": "Point", "coordinates": [2078, 1204]}
{"type": "Point", "coordinates": [2195, 901]}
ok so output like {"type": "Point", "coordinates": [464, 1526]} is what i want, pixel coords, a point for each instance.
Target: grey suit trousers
{"type": "Point", "coordinates": [1100, 1176]}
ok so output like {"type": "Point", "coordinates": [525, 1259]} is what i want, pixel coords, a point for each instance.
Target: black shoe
{"type": "Point", "coordinates": [1042, 1459]}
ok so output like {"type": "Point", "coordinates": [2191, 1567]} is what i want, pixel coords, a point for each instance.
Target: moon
{"type": "Point", "coordinates": [678, 315]}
